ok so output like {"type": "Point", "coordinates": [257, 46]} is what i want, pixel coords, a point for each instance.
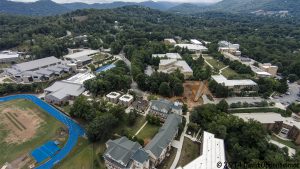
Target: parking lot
{"type": "Point", "coordinates": [291, 96]}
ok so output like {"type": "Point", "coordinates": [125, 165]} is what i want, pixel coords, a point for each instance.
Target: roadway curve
{"type": "Point", "coordinates": [75, 130]}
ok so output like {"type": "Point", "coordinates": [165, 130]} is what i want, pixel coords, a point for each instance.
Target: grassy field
{"type": "Point", "coordinates": [189, 152]}
{"type": "Point", "coordinates": [148, 132]}
{"type": "Point", "coordinates": [168, 161]}
{"type": "Point", "coordinates": [47, 131]}
{"type": "Point", "coordinates": [216, 64]}
{"type": "Point", "coordinates": [131, 129]}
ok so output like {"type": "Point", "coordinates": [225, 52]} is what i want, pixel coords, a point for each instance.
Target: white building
{"type": "Point", "coordinates": [193, 47]}
{"type": "Point", "coordinates": [236, 85]}
{"type": "Point", "coordinates": [259, 72]}
{"type": "Point", "coordinates": [126, 100]}
{"type": "Point", "coordinates": [225, 46]}
{"type": "Point", "coordinates": [195, 42]}
{"type": "Point", "coordinates": [63, 91]}
{"type": "Point", "coordinates": [171, 65]}
{"type": "Point", "coordinates": [170, 41]}
{"type": "Point", "coordinates": [8, 57]}
{"type": "Point", "coordinates": [113, 97]}
{"type": "Point", "coordinates": [268, 67]}
{"type": "Point", "coordinates": [167, 56]}
{"type": "Point", "coordinates": [81, 58]}
{"type": "Point", "coordinates": [212, 153]}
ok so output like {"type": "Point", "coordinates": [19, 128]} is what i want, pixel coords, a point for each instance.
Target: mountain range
{"type": "Point", "coordinates": [48, 7]}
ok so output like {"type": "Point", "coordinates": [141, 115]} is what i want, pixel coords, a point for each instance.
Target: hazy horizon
{"type": "Point", "coordinates": [108, 1]}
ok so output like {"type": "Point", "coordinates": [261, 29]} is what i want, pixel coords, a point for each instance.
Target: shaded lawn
{"type": "Point", "coordinates": [189, 152]}
{"type": "Point", "coordinates": [148, 132]}
{"type": "Point", "coordinates": [168, 161]}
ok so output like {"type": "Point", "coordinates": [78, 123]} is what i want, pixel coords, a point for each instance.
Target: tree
{"type": "Point", "coordinates": [132, 116]}
{"type": "Point", "coordinates": [118, 112]}
{"type": "Point", "coordinates": [283, 86]}
{"type": "Point", "coordinates": [164, 89]}
{"type": "Point", "coordinates": [82, 109]}
{"type": "Point", "coordinates": [178, 89]}
{"type": "Point", "coordinates": [223, 106]}
{"type": "Point", "coordinates": [101, 127]}
{"type": "Point", "coordinates": [292, 78]}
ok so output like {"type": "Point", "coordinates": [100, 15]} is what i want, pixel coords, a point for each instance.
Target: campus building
{"type": "Point", "coordinates": [212, 152]}
{"type": "Point", "coordinates": [171, 65]}
{"type": "Point", "coordinates": [228, 47]}
{"type": "Point", "coordinates": [63, 91]}
{"type": "Point", "coordinates": [160, 145]}
{"type": "Point", "coordinates": [285, 127]}
{"type": "Point", "coordinates": [195, 42]}
{"type": "Point", "coordinates": [193, 47]}
{"type": "Point", "coordinates": [113, 97]}
{"type": "Point", "coordinates": [162, 108]}
{"type": "Point", "coordinates": [140, 105]}
{"type": "Point", "coordinates": [167, 56]}
{"type": "Point", "coordinates": [236, 85]}
{"type": "Point", "coordinates": [169, 41]}
{"type": "Point", "coordinates": [268, 67]}
{"type": "Point", "coordinates": [38, 70]}
{"type": "Point", "coordinates": [9, 57]}
{"type": "Point", "coordinates": [124, 153]}
{"type": "Point", "coordinates": [81, 57]}
{"type": "Point", "coordinates": [126, 100]}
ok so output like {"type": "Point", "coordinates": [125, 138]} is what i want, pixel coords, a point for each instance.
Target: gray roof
{"type": "Point", "coordinates": [55, 69]}
{"type": "Point", "coordinates": [84, 58]}
{"type": "Point", "coordinates": [62, 89]}
{"type": "Point", "coordinates": [163, 106]}
{"type": "Point", "coordinates": [121, 150]}
{"type": "Point", "coordinates": [12, 71]}
{"type": "Point", "coordinates": [165, 135]}
{"type": "Point", "coordinates": [140, 156]}
{"type": "Point", "coordinates": [44, 72]}
{"type": "Point", "coordinates": [31, 65]}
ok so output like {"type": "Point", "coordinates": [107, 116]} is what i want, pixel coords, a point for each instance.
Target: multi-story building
{"type": "Point", "coordinates": [171, 65]}
{"type": "Point", "coordinates": [113, 97]}
{"type": "Point", "coordinates": [268, 67]}
{"type": "Point", "coordinates": [285, 127]}
{"type": "Point", "coordinates": [236, 85]}
{"type": "Point", "coordinates": [81, 57]}
{"type": "Point", "coordinates": [123, 153]}
{"type": "Point", "coordinates": [126, 100]}
{"type": "Point", "coordinates": [212, 154]}
{"type": "Point", "coordinates": [162, 108]}
{"type": "Point", "coordinates": [160, 145]}
{"type": "Point", "coordinates": [170, 41]}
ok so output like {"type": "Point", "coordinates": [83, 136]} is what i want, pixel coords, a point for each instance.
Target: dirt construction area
{"type": "Point", "coordinates": [24, 126]}
{"type": "Point", "coordinates": [193, 92]}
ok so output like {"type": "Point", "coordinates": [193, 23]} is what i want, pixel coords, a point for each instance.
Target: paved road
{"type": "Point", "coordinates": [75, 131]}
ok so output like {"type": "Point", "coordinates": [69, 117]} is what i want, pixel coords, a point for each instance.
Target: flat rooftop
{"type": "Point", "coordinates": [168, 55]}
{"type": "Point", "coordinates": [126, 97]}
{"type": "Point", "coordinates": [113, 95]}
{"type": "Point", "coordinates": [213, 152]}
{"type": "Point", "coordinates": [192, 47]}
{"type": "Point", "coordinates": [77, 55]}
{"type": "Point", "coordinates": [8, 55]}
{"type": "Point", "coordinates": [230, 83]}
{"type": "Point", "coordinates": [196, 42]}
{"type": "Point", "coordinates": [80, 78]}
{"type": "Point", "coordinates": [268, 118]}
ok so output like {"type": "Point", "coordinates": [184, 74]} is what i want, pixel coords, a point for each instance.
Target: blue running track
{"type": "Point", "coordinates": [75, 131]}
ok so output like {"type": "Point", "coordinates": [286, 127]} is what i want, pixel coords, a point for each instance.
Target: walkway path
{"type": "Point", "coordinates": [208, 64]}
{"type": "Point", "coordinates": [140, 129]}
{"type": "Point", "coordinates": [180, 144]}
{"type": "Point", "coordinates": [291, 151]}
{"type": "Point", "coordinates": [220, 71]}
{"type": "Point", "coordinates": [75, 130]}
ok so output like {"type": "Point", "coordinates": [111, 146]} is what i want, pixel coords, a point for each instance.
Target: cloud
{"type": "Point", "coordinates": [107, 1]}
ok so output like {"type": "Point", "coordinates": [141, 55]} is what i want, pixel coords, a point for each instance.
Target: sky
{"type": "Point", "coordinates": [107, 1]}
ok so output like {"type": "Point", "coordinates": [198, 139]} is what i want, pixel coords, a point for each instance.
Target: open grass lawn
{"type": "Point", "coordinates": [168, 161]}
{"type": "Point", "coordinates": [8, 80]}
{"type": "Point", "coordinates": [228, 73]}
{"type": "Point", "coordinates": [189, 152]}
{"type": "Point", "coordinates": [216, 64]}
{"type": "Point", "coordinates": [47, 131]}
{"type": "Point", "coordinates": [131, 129]}
{"type": "Point", "coordinates": [85, 155]}
{"type": "Point", "coordinates": [148, 132]}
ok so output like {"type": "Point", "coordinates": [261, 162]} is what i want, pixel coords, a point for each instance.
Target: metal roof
{"type": "Point", "coordinates": [80, 54]}
{"type": "Point", "coordinates": [165, 135]}
{"type": "Point", "coordinates": [213, 152]}
{"type": "Point", "coordinates": [35, 64]}
{"type": "Point", "coordinates": [121, 150]}
{"type": "Point", "coordinates": [62, 89]}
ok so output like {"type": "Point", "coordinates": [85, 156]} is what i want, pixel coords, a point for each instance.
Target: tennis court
{"type": "Point", "coordinates": [75, 130]}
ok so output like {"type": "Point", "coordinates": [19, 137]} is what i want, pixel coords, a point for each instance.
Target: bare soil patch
{"type": "Point", "coordinates": [21, 124]}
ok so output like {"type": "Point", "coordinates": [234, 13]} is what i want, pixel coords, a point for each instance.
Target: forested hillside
{"type": "Point", "coordinates": [262, 38]}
